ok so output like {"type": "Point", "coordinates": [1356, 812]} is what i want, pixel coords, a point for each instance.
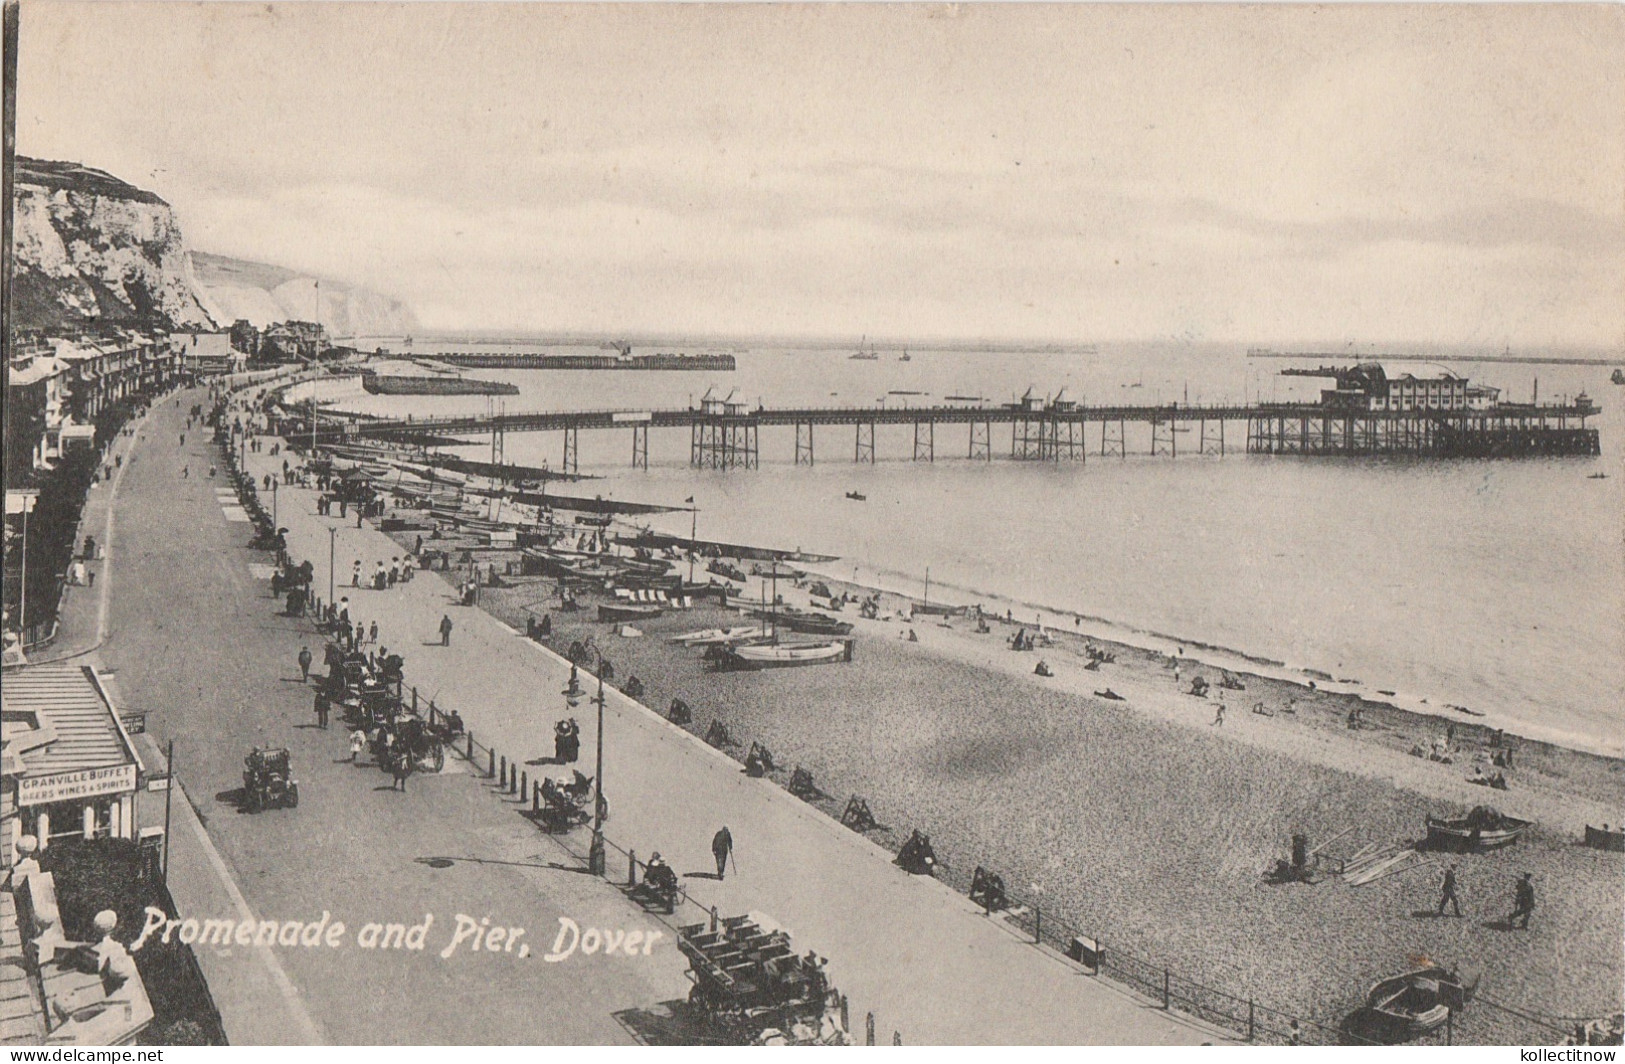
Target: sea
{"type": "Point", "coordinates": [1494, 585]}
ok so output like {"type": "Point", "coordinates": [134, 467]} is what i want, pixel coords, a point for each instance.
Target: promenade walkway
{"type": "Point", "coordinates": [926, 961]}
{"type": "Point", "coordinates": [193, 638]}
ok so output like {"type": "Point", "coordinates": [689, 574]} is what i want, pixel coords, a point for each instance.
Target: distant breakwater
{"type": "Point", "coordinates": [394, 384]}
{"type": "Point", "coordinates": [724, 363]}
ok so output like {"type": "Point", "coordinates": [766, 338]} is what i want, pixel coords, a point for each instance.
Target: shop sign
{"type": "Point", "coordinates": [67, 786]}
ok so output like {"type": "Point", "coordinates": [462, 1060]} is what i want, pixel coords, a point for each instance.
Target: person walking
{"type": "Point", "coordinates": [305, 659]}
{"type": "Point", "coordinates": [358, 743]}
{"type": "Point", "coordinates": [1523, 902]}
{"type": "Point", "coordinates": [722, 845]}
{"type": "Point", "coordinates": [445, 630]}
{"type": "Point", "coordinates": [372, 633]}
{"type": "Point", "coordinates": [321, 711]}
{"type": "Point", "coordinates": [1218, 716]}
{"type": "Point", "coordinates": [355, 573]}
{"type": "Point", "coordinates": [1447, 891]}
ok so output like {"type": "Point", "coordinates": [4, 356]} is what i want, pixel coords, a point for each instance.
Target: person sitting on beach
{"type": "Point", "coordinates": [1042, 669]}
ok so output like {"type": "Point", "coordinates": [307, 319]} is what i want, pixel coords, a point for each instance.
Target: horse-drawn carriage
{"type": "Point", "coordinates": [750, 986]}
{"type": "Point", "coordinates": [268, 779]}
{"type": "Point", "coordinates": [405, 735]}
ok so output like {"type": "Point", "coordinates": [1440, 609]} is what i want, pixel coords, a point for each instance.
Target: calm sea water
{"type": "Point", "coordinates": [1499, 585]}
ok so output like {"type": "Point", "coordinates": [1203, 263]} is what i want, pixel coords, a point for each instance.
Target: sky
{"type": "Point", "coordinates": [1425, 174]}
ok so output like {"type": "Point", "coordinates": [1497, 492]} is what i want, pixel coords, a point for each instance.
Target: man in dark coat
{"type": "Point", "coordinates": [305, 659]}
{"type": "Point", "coordinates": [722, 844]}
{"type": "Point", "coordinates": [1447, 892]}
{"type": "Point", "coordinates": [1523, 902]}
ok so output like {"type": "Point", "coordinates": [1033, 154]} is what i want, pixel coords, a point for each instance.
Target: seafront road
{"type": "Point", "coordinates": [925, 960]}
{"type": "Point", "coordinates": [194, 639]}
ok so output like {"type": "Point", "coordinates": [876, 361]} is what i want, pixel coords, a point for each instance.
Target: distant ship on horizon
{"type": "Point", "coordinates": [863, 355]}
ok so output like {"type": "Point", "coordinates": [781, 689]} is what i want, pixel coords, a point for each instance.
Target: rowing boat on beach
{"type": "Point", "coordinates": [709, 636]}
{"type": "Point", "coordinates": [1406, 1006]}
{"type": "Point", "coordinates": [1605, 838]}
{"type": "Point", "coordinates": [807, 622]}
{"type": "Point", "coordinates": [628, 611]}
{"type": "Point", "coordinates": [784, 655]}
{"type": "Point", "coordinates": [1482, 829]}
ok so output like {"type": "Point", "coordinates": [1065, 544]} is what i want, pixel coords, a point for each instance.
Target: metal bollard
{"type": "Point", "coordinates": [1249, 1019]}
{"type": "Point", "coordinates": [1166, 1003]}
{"type": "Point", "coordinates": [897, 1038]}
{"type": "Point", "coordinates": [490, 764]}
{"type": "Point", "coordinates": [869, 1030]}
{"type": "Point", "coordinates": [503, 765]}
{"type": "Point", "coordinates": [846, 1023]}
{"type": "Point", "coordinates": [1038, 925]}
{"type": "Point", "coordinates": [713, 919]}
{"type": "Point", "coordinates": [415, 700]}
{"type": "Point", "coordinates": [471, 745]}
{"type": "Point", "coordinates": [524, 784]}
{"type": "Point", "coordinates": [631, 868]}
{"type": "Point", "coordinates": [536, 797]}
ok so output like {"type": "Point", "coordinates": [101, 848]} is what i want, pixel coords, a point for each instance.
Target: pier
{"type": "Point", "coordinates": [725, 435]}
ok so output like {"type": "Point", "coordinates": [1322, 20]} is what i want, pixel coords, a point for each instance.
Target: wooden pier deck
{"type": "Point", "coordinates": [726, 435]}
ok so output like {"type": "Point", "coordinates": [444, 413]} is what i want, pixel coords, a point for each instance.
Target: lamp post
{"type": "Point", "coordinates": [332, 545]}
{"type": "Point", "coordinates": [274, 522]}
{"type": "Point", "coordinates": [26, 498]}
{"type": "Point", "coordinates": [595, 852]}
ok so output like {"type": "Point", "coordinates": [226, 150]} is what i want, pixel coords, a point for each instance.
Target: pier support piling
{"type": "Point", "coordinates": [863, 446]}
{"type": "Point", "coordinates": [1163, 438]}
{"type": "Point", "coordinates": [640, 446]}
{"type": "Point", "coordinates": [804, 443]}
{"type": "Point", "coordinates": [925, 441]}
{"type": "Point", "coordinates": [980, 433]}
{"type": "Point", "coordinates": [1111, 439]}
{"type": "Point", "coordinates": [572, 450]}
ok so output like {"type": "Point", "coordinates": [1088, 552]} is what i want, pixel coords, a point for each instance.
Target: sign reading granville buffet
{"type": "Point", "coordinates": [65, 786]}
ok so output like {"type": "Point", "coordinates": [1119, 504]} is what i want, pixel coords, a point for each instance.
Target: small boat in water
{"type": "Point", "coordinates": [784, 655]}
{"type": "Point", "coordinates": [857, 496]}
{"type": "Point", "coordinates": [863, 355]}
{"type": "Point", "coordinates": [1482, 829]}
{"type": "Point", "coordinates": [628, 611]}
{"type": "Point", "coordinates": [1606, 838]}
{"type": "Point", "coordinates": [1618, 376]}
{"type": "Point", "coordinates": [1409, 1005]}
